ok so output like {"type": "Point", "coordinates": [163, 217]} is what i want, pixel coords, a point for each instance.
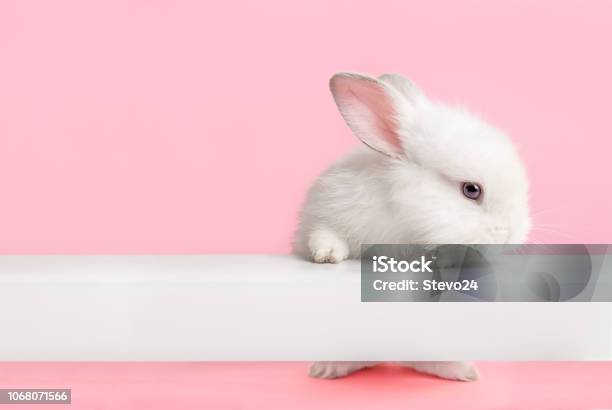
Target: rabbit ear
{"type": "Point", "coordinates": [401, 84]}
{"type": "Point", "coordinates": [369, 107]}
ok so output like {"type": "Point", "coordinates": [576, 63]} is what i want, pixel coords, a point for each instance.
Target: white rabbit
{"type": "Point", "coordinates": [428, 174]}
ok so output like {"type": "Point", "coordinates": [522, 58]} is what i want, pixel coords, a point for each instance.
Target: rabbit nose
{"type": "Point", "coordinates": [501, 233]}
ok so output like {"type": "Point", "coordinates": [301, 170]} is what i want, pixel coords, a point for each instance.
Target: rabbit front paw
{"type": "Point", "coordinates": [326, 247]}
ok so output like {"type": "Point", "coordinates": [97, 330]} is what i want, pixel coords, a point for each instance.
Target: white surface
{"type": "Point", "coordinates": [261, 307]}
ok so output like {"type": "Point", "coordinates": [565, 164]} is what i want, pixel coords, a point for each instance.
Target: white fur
{"type": "Point", "coordinates": [404, 185]}
{"type": "Point", "coordinates": [461, 371]}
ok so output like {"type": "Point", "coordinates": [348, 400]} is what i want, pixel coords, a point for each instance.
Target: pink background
{"type": "Point", "coordinates": [196, 126]}
{"type": "Point", "coordinates": [237, 386]}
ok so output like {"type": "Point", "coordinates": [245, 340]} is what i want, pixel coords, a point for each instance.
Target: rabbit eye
{"type": "Point", "coordinates": [472, 190]}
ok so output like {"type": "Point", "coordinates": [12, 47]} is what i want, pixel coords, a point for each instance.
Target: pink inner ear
{"type": "Point", "coordinates": [372, 113]}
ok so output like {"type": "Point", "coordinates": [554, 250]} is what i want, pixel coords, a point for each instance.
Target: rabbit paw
{"type": "Point", "coordinates": [335, 370]}
{"type": "Point", "coordinates": [326, 247]}
{"type": "Point", "coordinates": [461, 371]}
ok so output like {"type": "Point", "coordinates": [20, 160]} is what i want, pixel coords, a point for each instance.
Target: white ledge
{"type": "Point", "coordinates": [262, 307]}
